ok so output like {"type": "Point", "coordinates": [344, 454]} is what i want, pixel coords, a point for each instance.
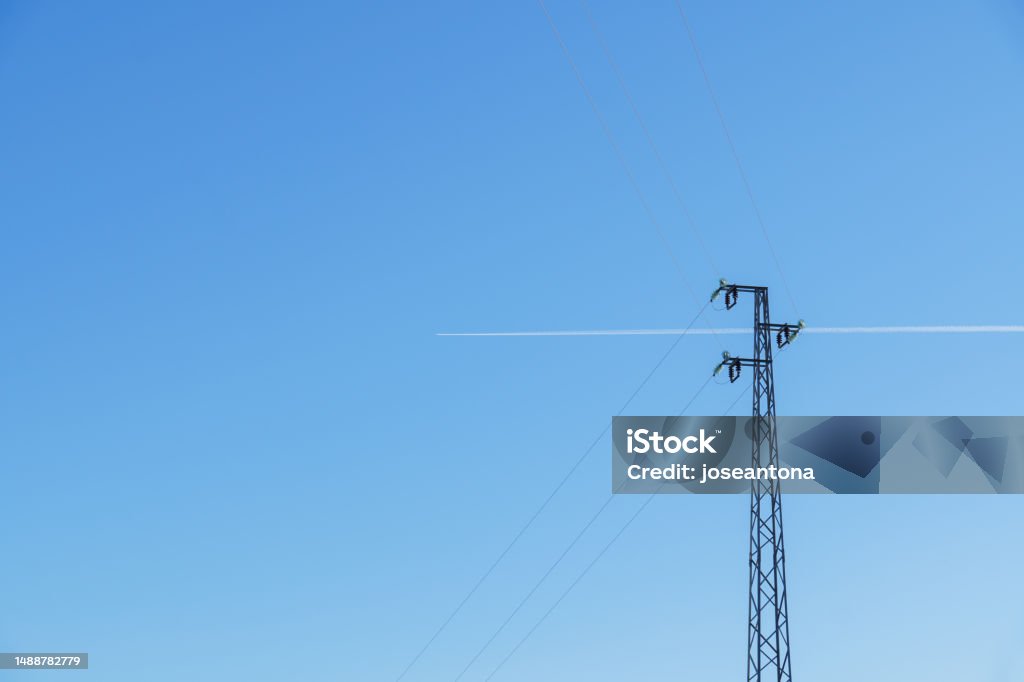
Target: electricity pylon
{"type": "Point", "coordinates": [767, 617]}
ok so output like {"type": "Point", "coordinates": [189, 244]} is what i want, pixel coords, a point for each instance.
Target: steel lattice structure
{"type": "Point", "coordinates": [768, 656]}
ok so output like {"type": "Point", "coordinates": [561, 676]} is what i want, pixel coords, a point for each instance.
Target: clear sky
{"type": "Point", "coordinates": [234, 447]}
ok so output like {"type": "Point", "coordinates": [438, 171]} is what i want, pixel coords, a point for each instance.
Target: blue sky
{"type": "Point", "coordinates": [235, 448]}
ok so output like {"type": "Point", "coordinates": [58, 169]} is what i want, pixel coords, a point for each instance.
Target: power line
{"type": "Point", "coordinates": [558, 561]}
{"type": "Point", "coordinates": [650, 138]}
{"type": "Point", "coordinates": [618, 153]}
{"type": "Point", "coordinates": [593, 561]}
{"type": "Point", "coordinates": [544, 504]}
{"type": "Point", "coordinates": [571, 586]}
{"type": "Point", "coordinates": [580, 577]}
{"type": "Point", "coordinates": [535, 587]}
{"type": "Point", "coordinates": [735, 153]}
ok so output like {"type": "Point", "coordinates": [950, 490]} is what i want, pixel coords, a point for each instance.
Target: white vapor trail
{"type": "Point", "coordinates": [920, 329]}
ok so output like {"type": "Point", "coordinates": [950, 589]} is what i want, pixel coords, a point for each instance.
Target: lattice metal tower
{"type": "Point", "coordinates": [768, 617]}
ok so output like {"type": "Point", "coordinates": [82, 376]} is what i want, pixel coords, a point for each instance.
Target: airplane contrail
{"type": "Point", "coordinates": [918, 329]}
